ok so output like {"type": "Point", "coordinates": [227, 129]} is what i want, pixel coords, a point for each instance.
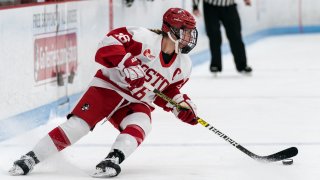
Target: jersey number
{"type": "Point", "coordinates": [123, 38]}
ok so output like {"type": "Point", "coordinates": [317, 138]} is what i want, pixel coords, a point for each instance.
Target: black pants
{"type": "Point", "coordinates": [230, 19]}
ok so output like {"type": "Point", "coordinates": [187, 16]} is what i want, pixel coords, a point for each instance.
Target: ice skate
{"type": "Point", "coordinates": [214, 71]}
{"type": "Point", "coordinates": [246, 71]}
{"type": "Point", "coordinates": [109, 167]}
{"type": "Point", "coordinates": [106, 169]}
{"type": "Point", "coordinates": [24, 165]}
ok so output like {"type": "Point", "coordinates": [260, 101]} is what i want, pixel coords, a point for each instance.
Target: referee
{"type": "Point", "coordinates": [225, 12]}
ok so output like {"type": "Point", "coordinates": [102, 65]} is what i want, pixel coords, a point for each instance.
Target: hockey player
{"type": "Point", "coordinates": [131, 56]}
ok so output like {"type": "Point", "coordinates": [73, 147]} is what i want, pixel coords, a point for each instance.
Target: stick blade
{"type": "Point", "coordinates": [284, 154]}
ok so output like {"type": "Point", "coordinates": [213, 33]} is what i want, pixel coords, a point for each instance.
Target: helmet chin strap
{"type": "Point", "coordinates": [176, 43]}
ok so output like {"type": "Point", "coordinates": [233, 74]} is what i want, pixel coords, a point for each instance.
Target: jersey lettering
{"type": "Point", "coordinates": [165, 83]}
{"type": "Point", "coordinates": [149, 75]}
{"type": "Point", "coordinates": [159, 77]}
{"type": "Point", "coordinates": [154, 78]}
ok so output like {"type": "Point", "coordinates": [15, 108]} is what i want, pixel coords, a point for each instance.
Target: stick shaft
{"type": "Point", "coordinates": [284, 154]}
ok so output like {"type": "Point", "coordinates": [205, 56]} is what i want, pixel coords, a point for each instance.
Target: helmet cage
{"type": "Point", "coordinates": [187, 38]}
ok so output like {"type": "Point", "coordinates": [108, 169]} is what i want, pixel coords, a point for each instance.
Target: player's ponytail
{"type": "Point", "coordinates": [159, 31]}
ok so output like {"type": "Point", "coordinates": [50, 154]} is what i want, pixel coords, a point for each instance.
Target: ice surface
{"type": "Point", "coordinates": [275, 108]}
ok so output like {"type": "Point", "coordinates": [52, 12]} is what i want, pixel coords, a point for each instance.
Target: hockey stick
{"type": "Point", "coordinates": [281, 155]}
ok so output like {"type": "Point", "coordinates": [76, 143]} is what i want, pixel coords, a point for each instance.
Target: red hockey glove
{"type": "Point", "coordinates": [134, 74]}
{"type": "Point", "coordinates": [187, 115]}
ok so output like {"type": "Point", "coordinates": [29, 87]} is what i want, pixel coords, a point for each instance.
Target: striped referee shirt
{"type": "Point", "coordinates": [221, 3]}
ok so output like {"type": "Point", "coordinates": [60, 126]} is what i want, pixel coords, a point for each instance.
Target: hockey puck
{"type": "Point", "coordinates": [287, 161]}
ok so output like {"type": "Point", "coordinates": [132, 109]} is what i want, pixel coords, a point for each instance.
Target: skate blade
{"type": "Point", "coordinates": [16, 171]}
{"type": "Point", "coordinates": [215, 74]}
{"type": "Point", "coordinates": [246, 74]}
{"type": "Point", "coordinates": [104, 174]}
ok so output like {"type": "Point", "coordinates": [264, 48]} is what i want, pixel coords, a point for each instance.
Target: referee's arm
{"type": "Point", "coordinates": [247, 2]}
{"type": "Point", "coordinates": [195, 7]}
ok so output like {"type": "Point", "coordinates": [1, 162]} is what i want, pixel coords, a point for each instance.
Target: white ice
{"type": "Point", "coordinates": [275, 108]}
